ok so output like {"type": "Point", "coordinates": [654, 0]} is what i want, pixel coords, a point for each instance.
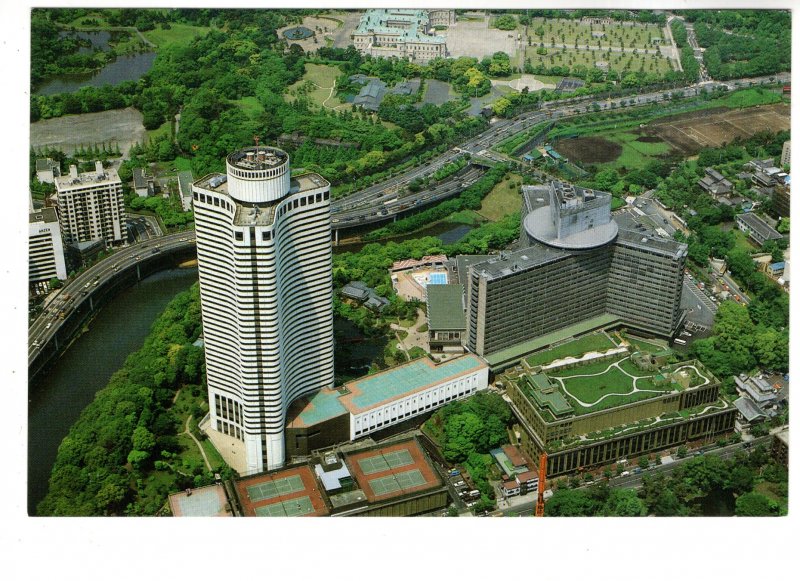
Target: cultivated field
{"type": "Point", "coordinates": [589, 149]}
{"type": "Point", "coordinates": [70, 132]}
{"type": "Point", "coordinates": [712, 128]}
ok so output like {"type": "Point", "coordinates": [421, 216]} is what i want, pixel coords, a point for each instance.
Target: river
{"type": "Point", "coordinates": [56, 401]}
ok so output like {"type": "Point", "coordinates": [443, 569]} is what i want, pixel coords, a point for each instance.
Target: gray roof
{"type": "Point", "coordinates": [652, 242]}
{"type": "Point", "coordinates": [356, 290]}
{"type": "Point", "coordinates": [756, 223]}
{"type": "Point", "coordinates": [139, 178]}
{"type": "Point", "coordinates": [371, 94]}
{"type": "Point", "coordinates": [714, 174]}
{"type": "Point", "coordinates": [43, 215]}
{"type": "Point", "coordinates": [748, 408]}
{"type": "Point", "coordinates": [45, 164]}
{"type": "Point", "coordinates": [446, 307]}
{"type": "Point", "coordinates": [464, 261]}
{"type": "Point", "coordinates": [507, 263]}
{"type": "Point", "coordinates": [185, 179]}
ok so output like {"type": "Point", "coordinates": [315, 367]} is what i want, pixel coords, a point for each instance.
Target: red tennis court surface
{"type": "Point", "coordinates": [391, 471]}
{"type": "Point", "coordinates": [290, 492]}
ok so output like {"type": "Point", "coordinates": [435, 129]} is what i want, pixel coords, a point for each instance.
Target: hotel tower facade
{"type": "Point", "coordinates": [264, 259]}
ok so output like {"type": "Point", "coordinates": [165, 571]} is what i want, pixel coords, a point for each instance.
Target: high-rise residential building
{"type": "Point", "coordinates": [45, 249]}
{"type": "Point", "coordinates": [264, 257]}
{"type": "Point", "coordinates": [90, 206]}
{"type": "Point", "coordinates": [577, 265]}
{"type": "Point", "coordinates": [786, 153]}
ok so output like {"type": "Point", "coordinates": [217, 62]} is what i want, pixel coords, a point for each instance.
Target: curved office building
{"type": "Point", "coordinates": [264, 259]}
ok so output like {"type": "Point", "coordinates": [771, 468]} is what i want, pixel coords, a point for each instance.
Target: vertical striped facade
{"type": "Point", "coordinates": [264, 257]}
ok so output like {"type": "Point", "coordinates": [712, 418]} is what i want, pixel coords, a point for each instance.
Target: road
{"type": "Point", "coordinates": [735, 290]}
{"type": "Point", "coordinates": [74, 293]}
{"type": "Point", "coordinates": [388, 198]}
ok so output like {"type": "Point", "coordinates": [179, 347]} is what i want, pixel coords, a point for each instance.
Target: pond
{"type": "Point", "coordinates": [298, 33]}
{"type": "Point", "coordinates": [129, 67]}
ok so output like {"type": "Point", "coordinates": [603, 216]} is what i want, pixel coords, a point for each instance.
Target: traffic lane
{"type": "Point", "coordinates": [735, 289]}
{"type": "Point", "coordinates": [101, 271]}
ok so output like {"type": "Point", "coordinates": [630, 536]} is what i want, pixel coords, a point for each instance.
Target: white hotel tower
{"type": "Point", "coordinates": [264, 256]}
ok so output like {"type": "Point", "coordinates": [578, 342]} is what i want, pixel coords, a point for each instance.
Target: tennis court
{"type": "Point", "coordinates": [383, 462]}
{"type": "Point", "coordinates": [293, 507]}
{"type": "Point", "coordinates": [279, 487]}
{"type": "Point", "coordinates": [395, 482]}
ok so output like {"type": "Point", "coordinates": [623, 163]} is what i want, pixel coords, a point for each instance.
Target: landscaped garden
{"type": "Point", "coordinates": [576, 348]}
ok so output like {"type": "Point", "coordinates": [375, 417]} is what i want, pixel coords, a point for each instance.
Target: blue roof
{"type": "Point", "coordinates": [404, 379]}
{"type": "Point", "coordinates": [322, 406]}
{"type": "Point", "coordinates": [777, 265]}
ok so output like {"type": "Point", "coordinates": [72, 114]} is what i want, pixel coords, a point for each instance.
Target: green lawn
{"type": "Point", "coordinates": [742, 241]}
{"type": "Point", "coordinates": [635, 154]}
{"type": "Point", "coordinates": [177, 35]}
{"type": "Point", "coordinates": [322, 78]}
{"type": "Point", "coordinates": [504, 199]}
{"type": "Point", "coordinates": [629, 367]}
{"type": "Point", "coordinates": [576, 348]}
{"type": "Point", "coordinates": [590, 389]}
{"type": "Point", "coordinates": [163, 129]}
{"type": "Point", "coordinates": [468, 217]}
{"type": "Point", "coordinates": [183, 164]}
{"type": "Point", "coordinates": [250, 106]}
{"type": "Point", "coordinates": [643, 345]}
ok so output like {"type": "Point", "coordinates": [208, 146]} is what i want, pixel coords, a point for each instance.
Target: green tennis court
{"type": "Point", "coordinates": [293, 507]}
{"type": "Point", "coordinates": [396, 459]}
{"type": "Point", "coordinates": [265, 490]}
{"type": "Point", "coordinates": [395, 482]}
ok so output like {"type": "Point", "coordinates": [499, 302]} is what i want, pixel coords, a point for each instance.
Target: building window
{"type": "Point", "coordinates": [265, 235]}
{"type": "Point", "coordinates": [239, 236]}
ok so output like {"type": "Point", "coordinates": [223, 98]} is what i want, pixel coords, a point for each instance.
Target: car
{"type": "Point", "coordinates": [48, 325]}
{"type": "Point", "coordinates": [35, 343]}
{"type": "Point", "coordinates": [87, 285]}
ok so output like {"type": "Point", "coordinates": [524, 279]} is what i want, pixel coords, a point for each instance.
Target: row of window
{"type": "Point", "coordinates": [230, 430]}
{"type": "Point", "coordinates": [416, 405]}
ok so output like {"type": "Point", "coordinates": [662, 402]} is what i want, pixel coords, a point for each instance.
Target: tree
{"type": "Point", "coordinates": [644, 463]}
{"type": "Point", "coordinates": [623, 502]}
{"type": "Point", "coordinates": [566, 502]}
{"type": "Point", "coordinates": [682, 451]}
{"type": "Point", "coordinates": [755, 504]}
{"type": "Point", "coordinates": [55, 283]}
{"type": "Point", "coordinates": [462, 431]}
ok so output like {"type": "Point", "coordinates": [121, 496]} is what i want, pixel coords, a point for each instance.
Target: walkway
{"type": "Point", "coordinates": [634, 377]}
{"type": "Point", "coordinates": [196, 441]}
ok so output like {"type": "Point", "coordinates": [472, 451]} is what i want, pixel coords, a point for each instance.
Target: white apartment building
{"type": "Point", "coordinates": [45, 249]}
{"type": "Point", "coordinates": [264, 258]}
{"type": "Point", "coordinates": [90, 206]}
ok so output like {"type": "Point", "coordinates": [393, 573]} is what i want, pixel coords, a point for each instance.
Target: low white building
{"type": "Point", "coordinates": [47, 170]}
{"type": "Point", "coordinates": [387, 398]}
{"type": "Point", "coordinates": [45, 249]}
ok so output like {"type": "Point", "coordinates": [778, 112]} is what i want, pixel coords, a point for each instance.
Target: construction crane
{"type": "Point", "coordinates": [542, 483]}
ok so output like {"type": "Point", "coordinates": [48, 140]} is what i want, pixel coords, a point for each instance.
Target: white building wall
{"type": "Point", "coordinates": [45, 252]}
{"type": "Point", "coordinates": [266, 302]}
{"type": "Point", "coordinates": [90, 207]}
{"type": "Point", "coordinates": [400, 410]}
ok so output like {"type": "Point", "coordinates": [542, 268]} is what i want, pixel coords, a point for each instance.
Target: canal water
{"type": "Point", "coordinates": [447, 233]}
{"type": "Point", "coordinates": [59, 396]}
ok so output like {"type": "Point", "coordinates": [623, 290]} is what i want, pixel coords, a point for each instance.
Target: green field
{"type": "Point", "coordinates": [742, 241]}
{"type": "Point", "coordinates": [163, 129]}
{"type": "Point", "coordinates": [177, 35]}
{"type": "Point", "coordinates": [317, 83]}
{"type": "Point", "coordinates": [643, 345]}
{"type": "Point", "coordinates": [576, 348]}
{"type": "Point", "coordinates": [504, 199]}
{"type": "Point", "coordinates": [635, 154]}
{"type": "Point", "coordinates": [250, 106]}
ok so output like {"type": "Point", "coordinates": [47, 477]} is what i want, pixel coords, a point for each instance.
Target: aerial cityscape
{"type": "Point", "coordinates": [428, 262]}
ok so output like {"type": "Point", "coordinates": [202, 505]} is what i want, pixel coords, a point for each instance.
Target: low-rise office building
{"type": "Point", "coordinates": [47, 170]}
{"type": "Point", "coordinates": [447, 324]}
{"type": "Point", "coordinates": [682, 402]}
{"type": "Point", "coordinates": [45, 249]}
{"type": "Point", "coordinates": [379, 401]}
{"type": "Point", "coordinates": [577, 267]}
{"type": "Point", "coordinates": [756, 228]}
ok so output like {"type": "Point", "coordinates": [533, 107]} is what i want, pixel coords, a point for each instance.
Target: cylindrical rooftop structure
{"type": "Point", "coordinates": [258, 174]}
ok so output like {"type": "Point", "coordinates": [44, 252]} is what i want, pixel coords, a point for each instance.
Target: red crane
{"type": "Point", "coordinates": [542, 483]}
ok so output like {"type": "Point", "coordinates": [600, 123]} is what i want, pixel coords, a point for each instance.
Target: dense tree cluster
{"type": "Point", "coordinates": [743, 43]}
{"type": "Point", "coordinates": [129, 425]}
{"type": "Point", "coordinates": [687, 491]}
